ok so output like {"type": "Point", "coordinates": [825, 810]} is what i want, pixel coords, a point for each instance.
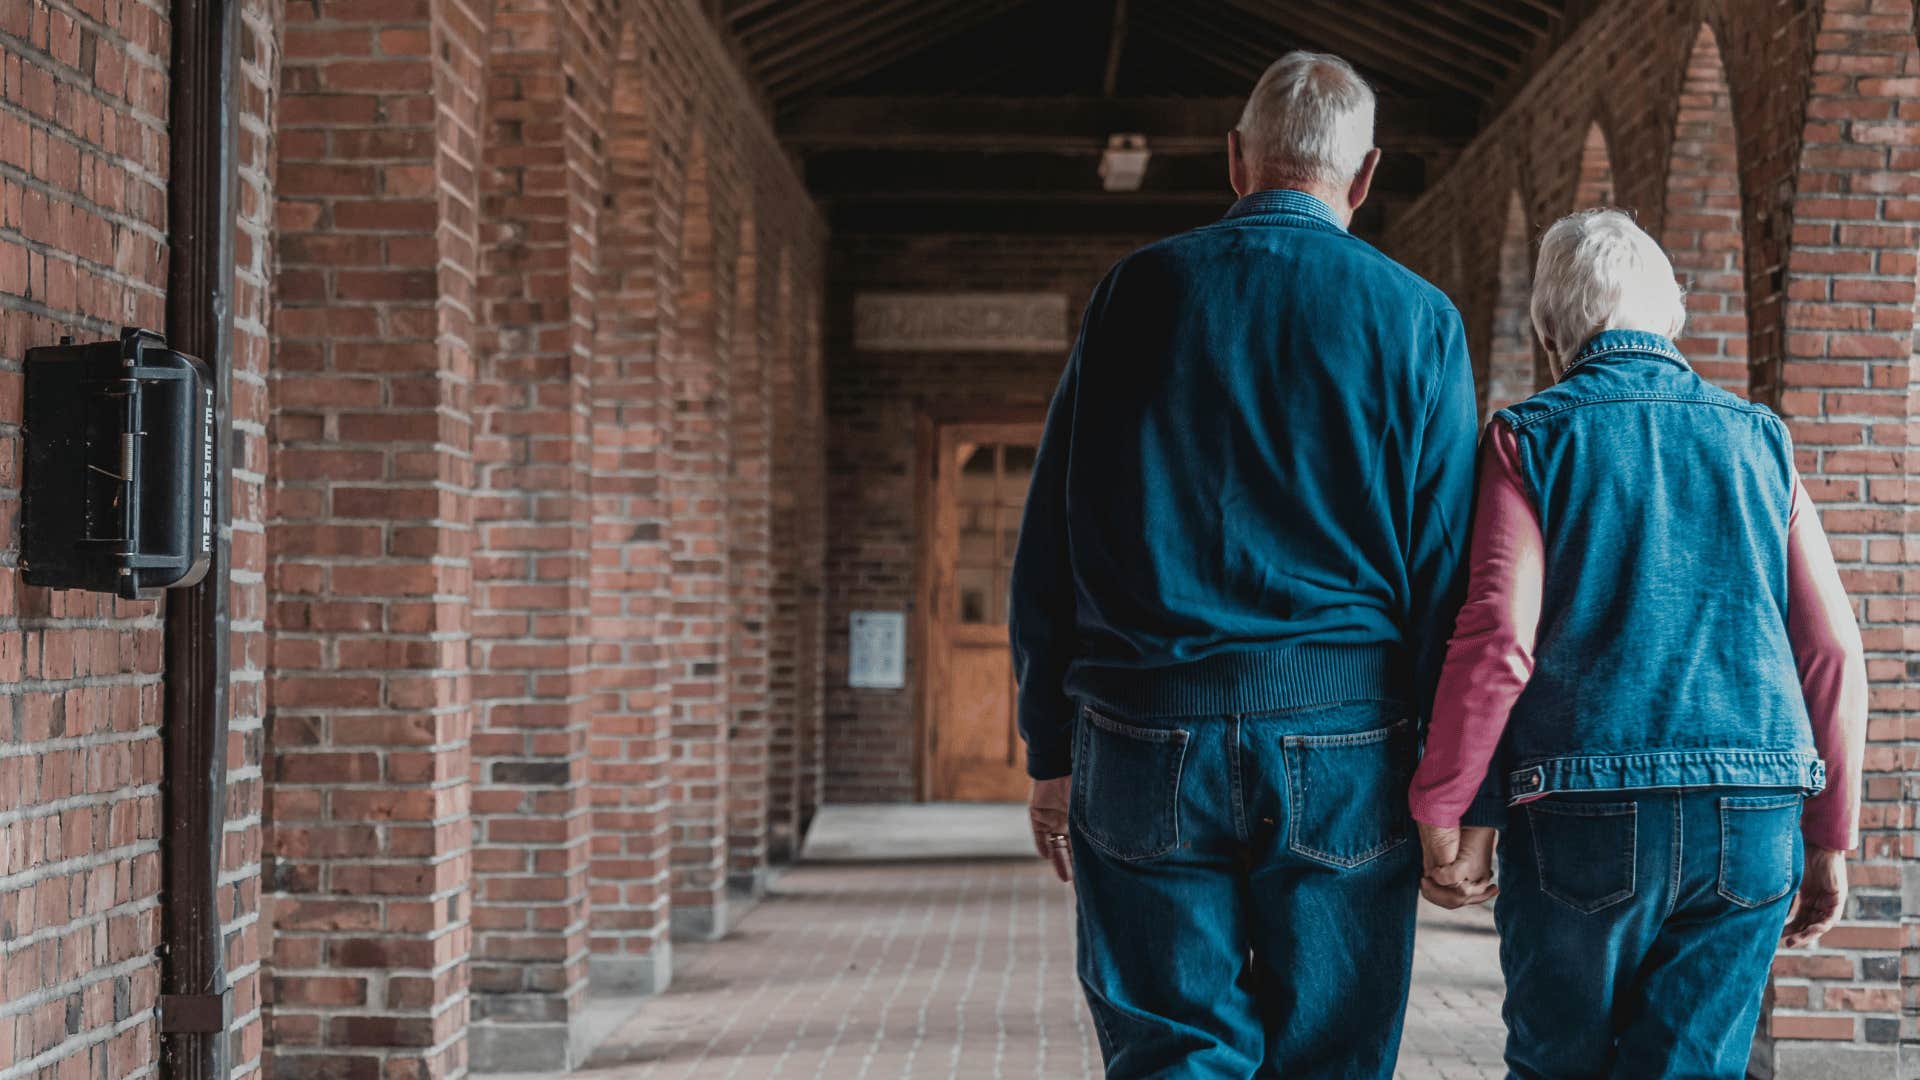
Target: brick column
{"type": "Point", "coordinates": [1846, 387]}
{"type": "Point", "coordinates": [699, 485]}
{"type": "Point", "coordinates": [250, 404]}
{"type": "Point", "coordinates": [369, 699]}
{"type": "Point", "coordinates": [750, 574]}
{"type": "Point", "coordinates": [631, 598]}
{"type": "Point", "coordinates": [812, 530]}
{"type": "Point", "coordinates": [539, 227]}
{"type": "Point", "coordinates": [784, 665]}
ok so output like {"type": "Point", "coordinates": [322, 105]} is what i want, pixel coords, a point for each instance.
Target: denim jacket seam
{"type": "Point", "coordinates": [1519, 421]}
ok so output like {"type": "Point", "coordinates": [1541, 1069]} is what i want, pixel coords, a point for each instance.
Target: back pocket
{"type": "Point", "coordinates": [1757, 834]}
{"type": "Point", "coordinates": [1584, 851]}
{"type": "Point", "coordinates": [1347, 794]}
{"type": "Point", "coordinates": [1126, 786]}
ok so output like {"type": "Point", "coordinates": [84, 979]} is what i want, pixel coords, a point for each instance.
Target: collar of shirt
{"type": "Point", "coordinates": [1286, 201]}
{"type": "Point", "coordinates": [1615, 342]}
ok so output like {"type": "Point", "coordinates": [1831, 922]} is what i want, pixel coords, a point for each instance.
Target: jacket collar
{"type": "Point", "coordinates": [1619, 342]}
{"type": "Point", "coordinates": [1286, 201]}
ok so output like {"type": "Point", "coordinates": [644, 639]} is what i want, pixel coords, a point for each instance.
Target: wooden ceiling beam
{"type": "Point", "coordinates": [1013, 125]}
{"type": "Point", "coordinates": [853, 58]}
{"type": "Point", "coordinates": [1229, 22]}
{"type": "Point", "coordinates": [882, 175]}
{"type": "Point", "coordinates": [790, 14]}
{"type": "Point", "coordinates": [1338, 34]}
{"type": "Point", "coordinates": [1509, 13]}
{"type": "Point", "coordinates": [1422, 23]}
{"type": "Point", "coordinates": [1224, 52]}
{"type": "Point", "coordinates": [875, 20]}
{"type": "Point", "coordinates": [1116, 46]}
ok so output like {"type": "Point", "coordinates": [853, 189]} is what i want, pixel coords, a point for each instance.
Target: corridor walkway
{"type": "Point", "coordinates": [954, 967]}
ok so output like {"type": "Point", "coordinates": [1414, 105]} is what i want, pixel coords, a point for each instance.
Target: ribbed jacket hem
{"type": "Point", "coordinates": [1799, 769]}
{"type": "Point", "coordinates": [1245, 682]}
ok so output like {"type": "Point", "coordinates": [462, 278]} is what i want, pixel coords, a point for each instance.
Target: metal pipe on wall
{"type": "Point", "coordinates": [195, 1007]}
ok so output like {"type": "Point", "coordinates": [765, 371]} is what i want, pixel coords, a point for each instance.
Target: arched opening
{"type": "Point", "coordinates": [1510, 360]}
{"type": "Point", "coordinates": [1595, 184]}
{"type": "Point", "coordinates": [1703, 229]}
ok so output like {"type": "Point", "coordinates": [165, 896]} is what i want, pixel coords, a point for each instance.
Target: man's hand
{"type": "Point", "coordinates": [1047, 813]}
{"type": "Point", "coordinates": [1459, 865]}
{"type": "Point", "coordinates": [1823, 896]}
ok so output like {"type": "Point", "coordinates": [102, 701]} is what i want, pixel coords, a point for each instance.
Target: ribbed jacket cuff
{"type": "Point", "coordinates": [1050, 762]}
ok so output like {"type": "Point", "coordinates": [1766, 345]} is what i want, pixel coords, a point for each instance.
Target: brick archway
{"type": "Point", "coordinates": [1594, 185]}
{"type": "Point", "coordinates": [1703, 227]}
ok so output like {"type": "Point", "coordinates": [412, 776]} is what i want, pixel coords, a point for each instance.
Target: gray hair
{"type": "Point", "coordinates": [1309, 119]}
{"type": "Point", "coordinates": [1599, 271]}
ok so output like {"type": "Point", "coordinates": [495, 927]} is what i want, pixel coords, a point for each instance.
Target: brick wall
{"type": "Point", "coordinates": [873, 402]}
{"type": "Point", "coordinates": [83, 164]}
{"type": "Point", "coordinates": [573, 622]}
{"type": "Point", "coordinates": [1771, 148]}
{"type": "Point", "coordinates": [455, 645]}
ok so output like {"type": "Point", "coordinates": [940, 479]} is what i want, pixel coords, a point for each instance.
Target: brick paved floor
{"type": "Point", "coordinates": [958, 969]}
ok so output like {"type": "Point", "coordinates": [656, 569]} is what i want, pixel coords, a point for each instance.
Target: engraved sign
{"type": "Point", "coordinates": [960, 322]}
{"type": "Point", "coordinates": [877, 650]}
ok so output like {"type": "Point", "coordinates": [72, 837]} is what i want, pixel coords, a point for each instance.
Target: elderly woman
{"type": "Point", "coordinates": [1659, 668]}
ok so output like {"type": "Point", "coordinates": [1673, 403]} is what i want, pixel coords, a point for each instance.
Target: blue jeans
{"type": "Point", "coordinates": [1637, 929]}
{"type": "Point", "coordinates": [1246, 890]}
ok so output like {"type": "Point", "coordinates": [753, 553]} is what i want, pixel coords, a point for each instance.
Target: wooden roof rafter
{"type": "Point", "coordinates": [1336, 32]}
{"type": "Point", "coordinates": [858, 55]}
{"type": "Point", "coordinates": [1236, 23]}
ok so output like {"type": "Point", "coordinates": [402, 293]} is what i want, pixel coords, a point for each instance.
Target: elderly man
{"type": "Point", "coordinates": [1241, 557]}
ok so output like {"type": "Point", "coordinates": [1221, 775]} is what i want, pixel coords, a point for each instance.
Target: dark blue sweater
{"type": "Point", "coordinates": [1255, 486]}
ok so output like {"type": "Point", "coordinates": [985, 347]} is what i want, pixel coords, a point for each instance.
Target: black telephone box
{"type": "Point", "coordinates": [119, 467]}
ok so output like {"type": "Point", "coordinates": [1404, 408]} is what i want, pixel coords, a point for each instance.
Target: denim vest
{"type": "Point", "coordinates": [1662, 657]}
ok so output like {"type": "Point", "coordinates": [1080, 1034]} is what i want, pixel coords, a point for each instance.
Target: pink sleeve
{"type": "Point", "coordinates": [1490, 657]}
{"type": "Point", "coordinates": [1833, 675]}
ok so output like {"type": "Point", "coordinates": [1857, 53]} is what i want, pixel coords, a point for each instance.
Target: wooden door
{"type": "Point", "coordinates": [981, 472]}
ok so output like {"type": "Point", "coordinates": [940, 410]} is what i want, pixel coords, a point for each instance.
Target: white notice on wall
{"type": "Point", "coordinates": [877, 650]}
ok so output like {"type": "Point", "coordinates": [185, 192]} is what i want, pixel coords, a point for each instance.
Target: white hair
{"type": "Point", "coordinates": [1309, 119]}
{"type": "Point", "coordinates": [1599, 271]}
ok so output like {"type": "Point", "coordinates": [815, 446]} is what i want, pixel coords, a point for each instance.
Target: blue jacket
{"type": "Point", "coordinates": [1254, 490]}
{"type": "Point", "coordinates": [1662, 657]}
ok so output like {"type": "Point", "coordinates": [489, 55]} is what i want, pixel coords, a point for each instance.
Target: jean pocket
{"type": "Point", "coordinates": [1757, 834]}
{"type": "Point", "coordinates": [1126, 786]}
{"type": "Point", "coordinates": [1347, 794]}
{"type": "Point", "coordinates": [1584, 852]}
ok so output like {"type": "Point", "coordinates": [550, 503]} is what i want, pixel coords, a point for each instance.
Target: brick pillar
{"type": "Point", "coordinates": [749, 571]}
{"type": "Point", "coordinates": [812, 530]}
{"type": "Point", "coordinates": [1846, 387]}
{"type": "Point", "coordinates": [544, 173]}
{"type": "Point", "coordinates": [1702, 228]}
{"type": "Point", "coordinates": [369, 697]}
{"type": "Point", "coordinates": [784, 664]}
{"type": "Point", "coordinates": [250, 404]}
{"type": "Point", "coordinates": [699, 485]}
{"type": "Point", "coordinates": [632, 426]}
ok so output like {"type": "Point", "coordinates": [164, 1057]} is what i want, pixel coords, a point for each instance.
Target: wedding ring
{"type": "Point", "coordinates": [1057, 839]}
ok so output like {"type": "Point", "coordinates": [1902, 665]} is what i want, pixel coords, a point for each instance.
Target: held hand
{"type": "Point", "coordinates": [1459, 865]}
{"type": "Point", "coordinates": [1047, 813]}
{"type": "Point", "coordinates": [1822, 897]}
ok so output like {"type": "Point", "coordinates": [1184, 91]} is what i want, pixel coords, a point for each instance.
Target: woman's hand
{"type": "Point", "coordinates": [1459, 865]}
{"type": "Point", "coordinates": [1823, 896]}
{"type": "Point", "coordinates": [1047, 813]}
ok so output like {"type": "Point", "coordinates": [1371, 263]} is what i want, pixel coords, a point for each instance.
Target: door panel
{"type": "Point", "coordinates": [981, 473]}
